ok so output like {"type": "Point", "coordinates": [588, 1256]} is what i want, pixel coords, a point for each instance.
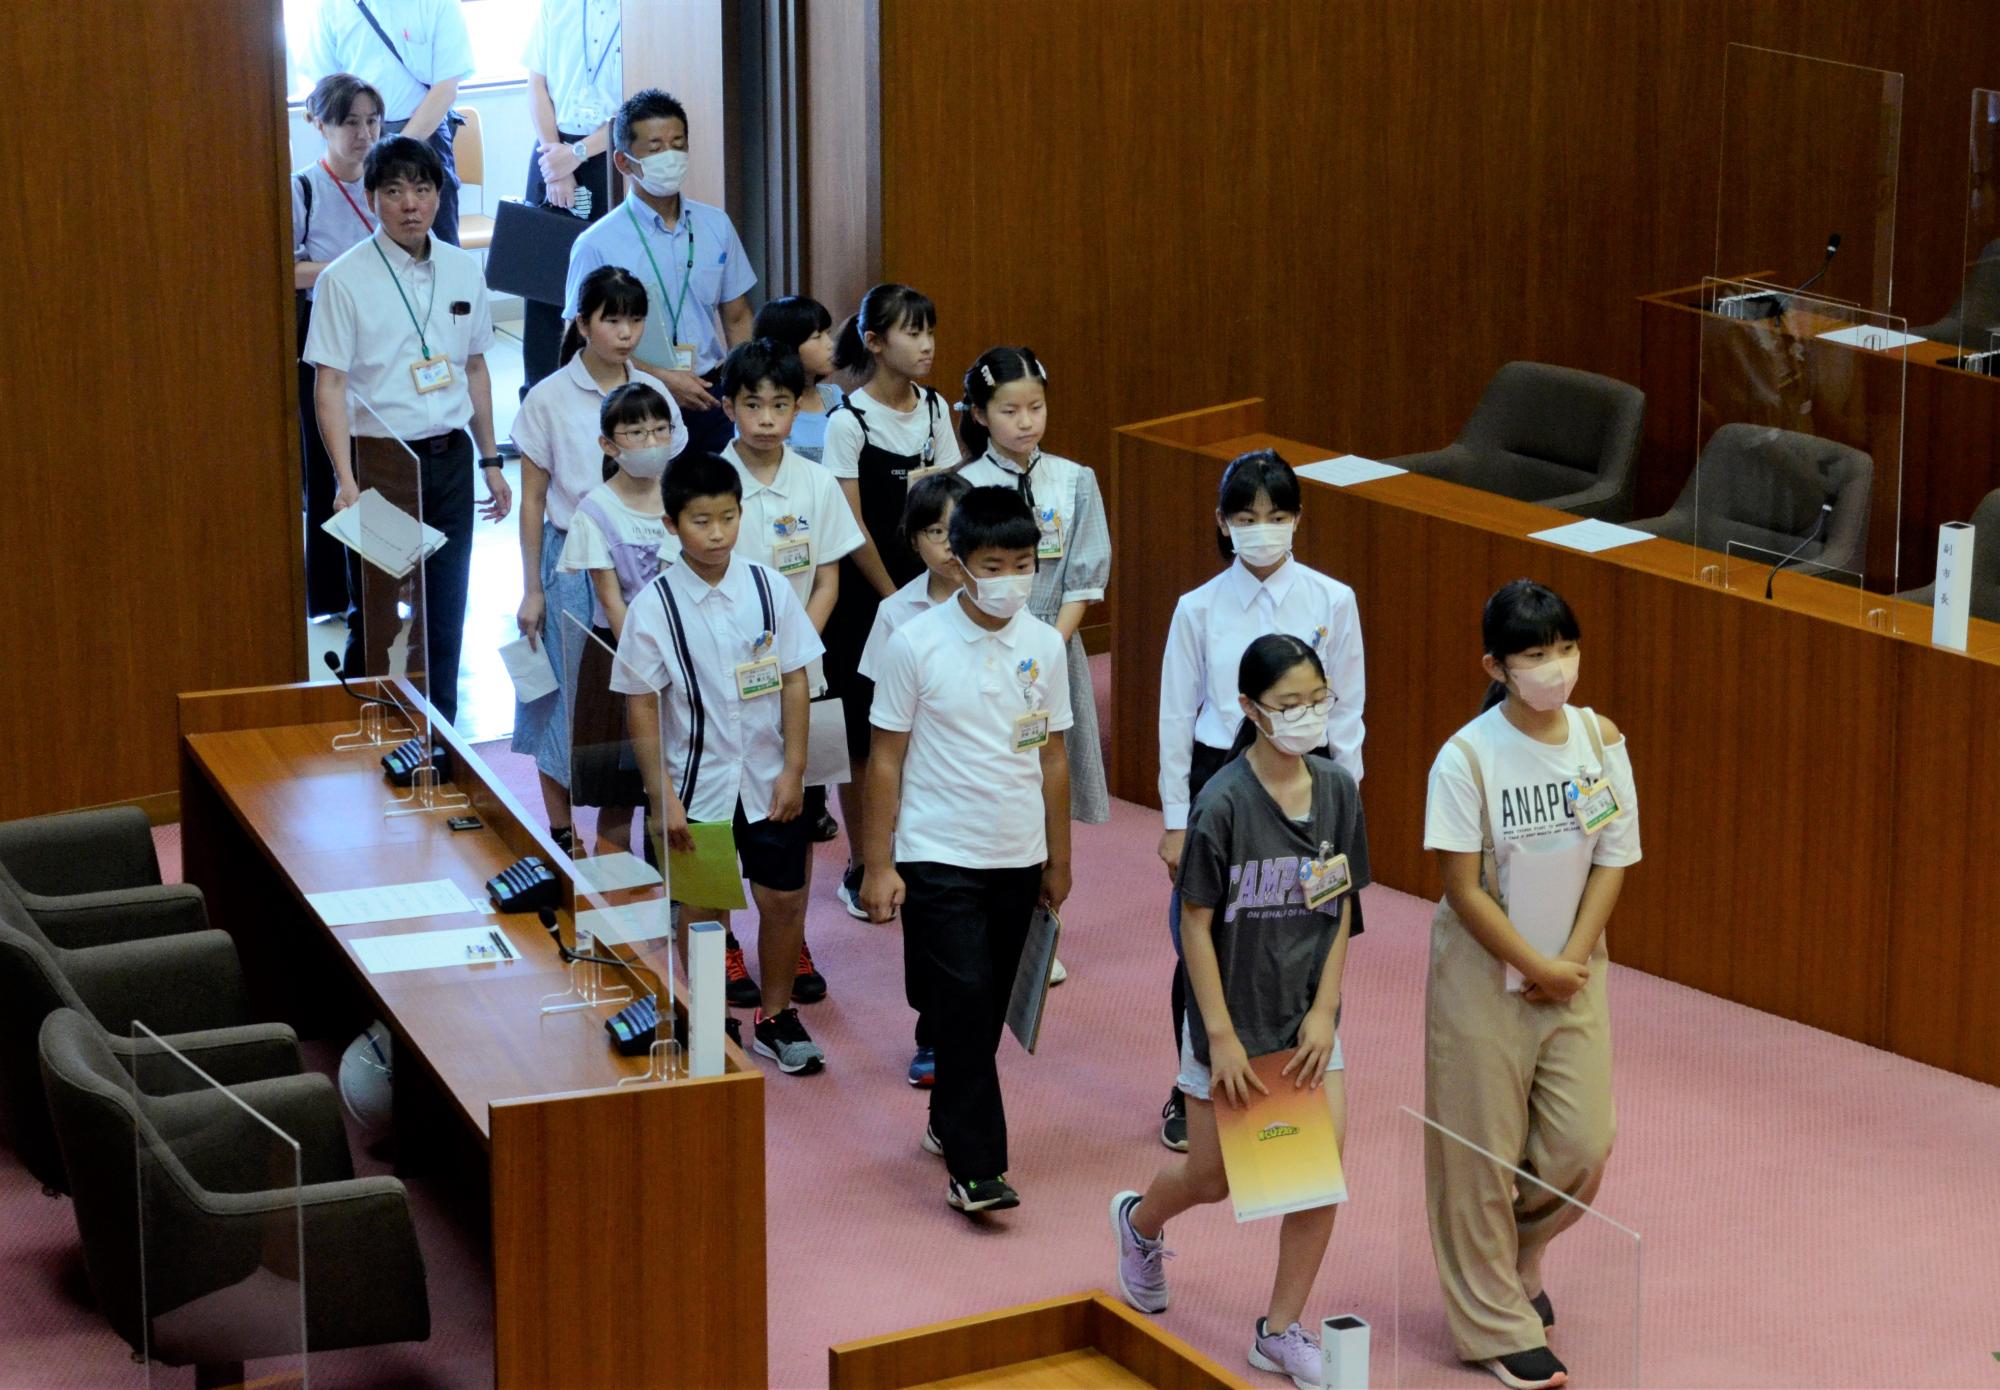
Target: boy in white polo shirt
{"type": "Point", "coordinates": [971, 701]}
{"type": "Point", "coordinates": [714, 655]}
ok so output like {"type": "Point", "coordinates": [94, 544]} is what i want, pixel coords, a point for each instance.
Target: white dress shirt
{"type": "Point", "coordinates": [1212, 627]}
{"type": "Point", "coordinates": [802, 502]}
{"type": "Point", "coordinates": [430, 36]}
{"type": "Point", "coordinates": [558, 427]}
{"type": "Point", "coordinates": [890, 615]}
{"type": "Point", "coordinates": [969, 799]}
{"type": "Point", "coordinates": [578, 47]}
{"type": "Point", "coordinates": [720, 272]}
{"type": "Point", "coordinates": [732, 748]}
{"type": "Point", "coordinates": [361, 325]}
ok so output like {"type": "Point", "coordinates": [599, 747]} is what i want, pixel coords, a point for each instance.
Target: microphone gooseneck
{"type": "Point", "coordinates": [333, 665]}
{"type": "Point", "coordinates": [1825, 515]}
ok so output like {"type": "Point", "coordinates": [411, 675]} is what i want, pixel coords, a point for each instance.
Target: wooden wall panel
{"type": "Point", "coordinates": [841, 116]}
{"type": "Point", "coordinates": [150, 514]}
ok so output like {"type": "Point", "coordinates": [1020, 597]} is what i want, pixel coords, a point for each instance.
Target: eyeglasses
{"type": "Point", "coordinates": [936, 535]}
{"type": "Point", "coordinates": [645, 434]}
{"type": "Point", "coordinates": [1323, 705]}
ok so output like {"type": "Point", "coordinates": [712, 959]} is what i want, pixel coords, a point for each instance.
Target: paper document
{"type": "Point", "coordinates": [826, 745]}
{"type": "Point", "coordinates": [383, 534]}
{"type": "Point", "coordinates": [433, 950]}
{"type": "Point", "coordinates": [628, 925]}
{"type": "Point", "coordinates": [528, 667]}
{"type": "Point", "coordinates": [1543, 892]}
{"type": "Point", "coordinates": [607, 873]}
{"type": "Point", "coordinates": [1875, 339]}
{"type": "Point", "coordinates": [709, 876]}
{"type": "Point", "coordinates": [1349, 469]}
{"type": "Point", "coordinates": [1279, 1151]}
{"type": "Point", "coordinates": [1591, 536]}
{"type": "Point", "coordinates": [391, 902]}
{"type": "Point", "coordinates": [1031, 978]}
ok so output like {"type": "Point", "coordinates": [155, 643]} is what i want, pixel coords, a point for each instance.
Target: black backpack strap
{"type": "Point", "coordinates": [305, 196]}
{"type": "Point", "coordinates": [387, 42]}
{"type": "Point", "coordinates": [697, 713]}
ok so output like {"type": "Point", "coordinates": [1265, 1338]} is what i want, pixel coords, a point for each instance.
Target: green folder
{"type": "Point", "coordinates": [707, 875]}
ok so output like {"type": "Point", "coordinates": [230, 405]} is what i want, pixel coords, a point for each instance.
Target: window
{"type": "Point", "coordinates": [499, 30]}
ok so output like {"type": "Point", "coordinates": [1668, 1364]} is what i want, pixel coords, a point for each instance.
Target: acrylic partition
{"type": "Point", "coordinates": [1808, 151]}
{"type": "Point", "coordinates": [221, 1227]}
{"type": "Point", "coordinates": [1972, 323]}
{"type": "Point", "coordinates": [1591, 1269]}
{"type": "Point", "coordinates": [1796, 489]}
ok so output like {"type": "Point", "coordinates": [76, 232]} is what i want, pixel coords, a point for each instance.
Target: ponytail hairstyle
{"type": "Point", "coordinates": [925, 506]}
{"type": "Point", "coordinates": [994, 369]}
{"type": "Point", "coordinates": [634, 403]}
{"type": "Point", "coordinates": [791, 320]}
{"type": "Point", "coordinates": [1520, 616]}
{"type": "Point", "coordinates": [609, 289]}
{"type": "Point", "coordinates": [331, 100]}
{"type": "Point", "coordinates": [1260, 471]}
{"type": "Point", "coordinates": [1265, 662]}
{"type": "Point", "coordinates": [882, 308]}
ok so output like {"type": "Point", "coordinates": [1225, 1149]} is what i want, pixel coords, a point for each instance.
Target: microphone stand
{"type": "Point", "coordinates": [1825, 514]}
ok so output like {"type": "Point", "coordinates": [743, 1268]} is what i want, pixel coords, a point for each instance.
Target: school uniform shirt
{"type": "Point", "coordinates": [1528, 811]}
{"type": "Point", "coordinates": [429, 34]}
{"type": "Point", "coordinates": [1212, 627]}
{"type": "Point", "coordinates": [802, 502]}
{"type": "Point", "coordinates": [1242, 859]}
{"type": "Point", "coordinates": [643, 543]}
{"type": "Point", "coordinates": [1069, 508]}
{"type": "Point", "coordinates": [361, 326]}
{"type": "Point", "coordinates": [578, 46]}
{"type": "Point", "coordinates": [906, 432]}
{"type": "Point", "coordinates": [557, 429]}
{"type": "Point", "coordinates": [720, 272]}
{"type": "Point", "coordinates": [336, 219]}
{"type": "Point", "coordinates": [956, 690]}
{"type": "Point", "coordinates": [718, 747]}
{"type": "Point", "coordinates": [906, 603]}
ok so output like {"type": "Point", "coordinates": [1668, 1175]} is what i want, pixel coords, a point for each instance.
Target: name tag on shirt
{"type": "Point", "coordinates": [1596, 804]}
{"type": "Point", "coordinates": [683, 357]}
{"type": "Point", "coordinates": [1050, 544]}
{"type": "Point", "coordinates": [759, 676]}
{"type": "Point", "coordinates": [431, 374]}
{"type": "Point", "coordinates": [791, 548]}
{"type": "Point", "coordinates": [1031, 730]}
{"type": "Point", "coordinates": [1324, 879]}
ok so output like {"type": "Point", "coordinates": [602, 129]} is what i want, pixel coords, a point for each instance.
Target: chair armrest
{"type": "Point", "coordinates": [1592, 501]}
{"type": "Point", "coordinates": [1427, 461]}
{"type": "Point", "coordinates": [127, 914]}
{"type": "Point", "coordinates": [81, 852]}
{"type": "Point", "coordinates": [253, 1052]}
{"type": "Point", "coordinates": [226, 1148]}
{"type": "Point", "coordinates": [172, 984]}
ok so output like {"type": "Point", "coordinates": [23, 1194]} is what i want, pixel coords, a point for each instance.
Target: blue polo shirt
{"type": "Point", "coordinates": [719, 273]}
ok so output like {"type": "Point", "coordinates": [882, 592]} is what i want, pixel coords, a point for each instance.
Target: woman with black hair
{"type": "Point", "coordinates": [1534, 818]}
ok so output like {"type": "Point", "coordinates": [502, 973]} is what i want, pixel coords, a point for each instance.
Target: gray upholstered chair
{"type": "Point", "coordinates": [179, 983]}
{"type": "Point", "coordinates": [1551, 435]}
{"type": "Point", "coordinates": [219, 1245]}
{"type": "Point", "coordinates": [1763, 487]}
{"type": "Point", "coordinates": [75, 869]}
{"type": "Point", "coordinates": [1978, 307]}
{"type": "Point", "coordinates": [1985, 563]}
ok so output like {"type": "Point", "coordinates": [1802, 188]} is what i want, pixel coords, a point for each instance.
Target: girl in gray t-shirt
{"type": "Point", "coordinates": [1275, 853]}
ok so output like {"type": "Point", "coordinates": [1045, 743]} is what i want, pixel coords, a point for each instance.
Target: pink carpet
{"type": "Point", "coordinates": [1813, 1212]}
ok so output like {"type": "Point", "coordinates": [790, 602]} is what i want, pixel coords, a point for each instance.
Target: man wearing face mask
{"type": "Point", "coordinates": [686, 253]}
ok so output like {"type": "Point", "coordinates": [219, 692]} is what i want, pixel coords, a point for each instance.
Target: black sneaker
{"type": "Point", "coordinates": [825, 829]}
{"type": "Point", "coordinates": [742, 991]}
{"type": "Point", "coordinates": [784, 1039]}
{"type": "Point", "coordinates": [981, 1194]}
{"type": "Point", "coordinates": [808, 985]}
{"type": "Point", "coordinates": [1534, 1369]}
{"type": "Point", "coordinates": [1173, 1126]}
{"type": "Point", "coordinates": [565, 839]}
{"type": "Point", "coordinates": [1544, 1309]}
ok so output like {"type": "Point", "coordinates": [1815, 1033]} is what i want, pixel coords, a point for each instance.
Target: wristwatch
{"type": "Point", "coordinates": [581, 149]}
{"type": "Point", "coordinates": [495, 462]}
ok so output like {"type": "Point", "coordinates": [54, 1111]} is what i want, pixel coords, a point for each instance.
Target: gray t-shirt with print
{"type": "Point", "coordinates": [1241, 858]}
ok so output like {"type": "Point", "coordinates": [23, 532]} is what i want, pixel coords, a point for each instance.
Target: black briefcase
{"type": "Point", "coordinates": [530, 251]}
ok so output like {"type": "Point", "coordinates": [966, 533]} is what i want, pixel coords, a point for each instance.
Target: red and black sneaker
{"type": "Point", "coordinates": [808, 986]}
{"type": "Point", "coordinates": [743, 992]}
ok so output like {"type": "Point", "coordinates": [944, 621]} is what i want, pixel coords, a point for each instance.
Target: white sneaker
{"type": "Point", "coordinates": [1056, 972]}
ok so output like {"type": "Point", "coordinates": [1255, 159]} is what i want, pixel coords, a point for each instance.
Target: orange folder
{"type": "Point", "coordinates": [1279, 1151]}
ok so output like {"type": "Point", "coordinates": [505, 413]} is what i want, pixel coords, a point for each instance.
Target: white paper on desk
{"type": "Point", "coordinates": [1592, 536]}
{"type": "Point", "coordinates": [1875, 339]}
{"type": "Point", "coordinates": [429, 950]}
{"type": "Point", "coordinates": [826, 745]}
{"type": "Point", "coordinates": [383, 534]}
{"type": "Point", "coordinates": [1543, 893]}
{"type": "Point", "coordinates": [607, 873]}
{"type": "Point", "coordinates": [528, 667]}
{"type": "Point", "coordinates": [1349, 469]}
{"type": "Point", "coordinates": [628, 925]}
{"type": "Point", "coordinates": [391, 902]}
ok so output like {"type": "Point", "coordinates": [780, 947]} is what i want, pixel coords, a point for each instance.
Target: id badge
{"type": "Point", "coordinates": [758, 676]}
{"type": "Point", "coordinates": [1324, 879]}
{"type": "Point", "coordinates": [792, 557]}
{"type": "Point", "coordinates": [1596, 805]}
{"type": "Point", "coordinates": [1031, 731]}
{"type": "Point", "coordinates": [431, 374]}
{"type": "Point", "coordinates": [683, 354]}
{"type": "Point", "coordinates": [1050, 544]}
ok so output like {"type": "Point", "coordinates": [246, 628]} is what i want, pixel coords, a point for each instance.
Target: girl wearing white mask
{"type": "Point", "coordinates": [1534, 817]}
{"type": "Point", "coordinates": [1264, 590]}
{"type": "Point", "coordinates": [1276, 852]}
{"type": "Point", "coordinates": [619, 536]}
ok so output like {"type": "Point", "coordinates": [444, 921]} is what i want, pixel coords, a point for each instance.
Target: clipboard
{"type": "Point", "coordinates": [1025, 1007]}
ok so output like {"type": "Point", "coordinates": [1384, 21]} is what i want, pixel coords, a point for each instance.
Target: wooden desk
{"type": "Point", "coordinates": [1950, 428]}
{"type": "Point", "coordinates": [1818, 823]}
{"type": "Point", "coordinates": [605, 1201]}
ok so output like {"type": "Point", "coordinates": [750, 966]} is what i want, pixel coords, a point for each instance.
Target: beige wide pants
{"type": "Point", "coordinates": [1530, 1083]}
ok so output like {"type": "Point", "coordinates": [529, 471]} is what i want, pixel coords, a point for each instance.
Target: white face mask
{"type": "Point", "coordinates": [1547, 686]}
{"type": "Point", "coordinates": [1002, 596]}
{"type": "Point", "coordinates": [649, 463]}
{"type": "Point", "coordinates": [1265, 544]}
{"type": "Point", "coordinates": [661, 173]}
{"type": "Point", "coordinates": [1306, 734]}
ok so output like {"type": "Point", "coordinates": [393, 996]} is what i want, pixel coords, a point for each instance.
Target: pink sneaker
{"type": "Point", "coordinates": [1289, 1353]}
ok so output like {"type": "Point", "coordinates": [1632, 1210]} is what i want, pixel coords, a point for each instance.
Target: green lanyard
{"type": "Point", "coordinates": [673, 309]}
{"type": "Point", "coordinates": [423, 337]}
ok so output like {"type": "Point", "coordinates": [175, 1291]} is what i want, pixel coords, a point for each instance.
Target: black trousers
{"type": "Point", "coordinates": [963, 930]}
{"type": "Point", "coordinates": [326, 558]}
{"type": "Point", "coordinates": [542, 324]}
{"type": "Point", "coordinates": [372, 623]}
{"type": "Point", "coordinates": [446, 225]}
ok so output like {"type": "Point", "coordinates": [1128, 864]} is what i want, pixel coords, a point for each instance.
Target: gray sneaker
{"type": "Point", "coordinates": [1142, 1274]}
{"type": "Point", "coordinates": [1289, 1353]}
{"type": "Point", "coordinates": [785, 1041]}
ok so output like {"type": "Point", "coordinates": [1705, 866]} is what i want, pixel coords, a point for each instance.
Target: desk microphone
{"type": "Point", "coordinates": [1832, 248]}
{"type": "Point", "coordinates": [547, 916]}
{"type": "Point", "coordinates": [1825, 514]}
{"type": "Point", "coordinates": [333, 665]}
